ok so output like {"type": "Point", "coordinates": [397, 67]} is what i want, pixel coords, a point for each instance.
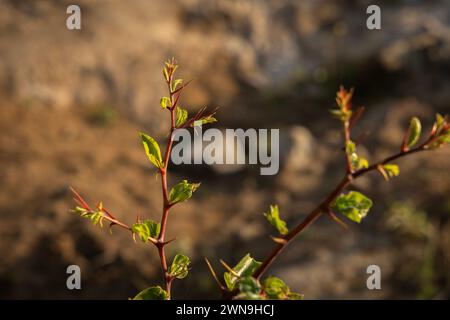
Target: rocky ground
{"type": "Point", "coordinates": [74, 101]}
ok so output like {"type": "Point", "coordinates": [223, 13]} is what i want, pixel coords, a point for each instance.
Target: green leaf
{"type": "Point", "coordinates": [96, 217]}
{"type": "Point", "coordinates": [273, 216]}
{"type": "Point", "coordinates": [146, 229]}
{"type": "Point", "coordinates": [363, 163]}
{"type": "Point", "coordinates": [205, 120]}
{"type": "Point", "coordinates": [152, 150]}
{"type": "Point", "coordinates": [392, 170]}
{"type": "Point", "coordinates": [249, 289]}
{"type": "Point", "coordinates": [350, 147]}
{"type": "Point", "coordinates": [175, 83]}
{"type": "Point", "coordinates": [152, 293]}
{"type": "Point", "coordinates": [180, 266]}
{"type": "Point", "coordinates": [353, 205]}
{"type": "Point", "coordinates": [245, 268]}
{"type": "Point", "coordinates": [182, 115]}
{"type": "Point", "coordinates": [165, 102]}
{"type": "Point", "coordinates": [415, 128]}
{"type": "Point", "coordinates": [276, 289]}
{"type": "Point", "coordinates": [358, 162]}
{"type": "Point", "coordinates": [166, 73]}
{"type": "Point", "coordinates": [182, 191]}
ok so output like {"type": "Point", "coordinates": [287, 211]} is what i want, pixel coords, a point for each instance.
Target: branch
{"type": "Point", "coordinates": [324, 206]}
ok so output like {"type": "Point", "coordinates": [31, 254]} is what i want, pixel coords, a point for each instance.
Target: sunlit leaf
{"type": "Point", "coordinates": [175, 83]}
{"type": "Point", "coordinates": [392, 170]}
{"type": "Point", "coordinates": [180, 266]}
{"type": "Point", "coordinates": [182, 191]}
{"type": "Point", "coordinates": [353, 205]}
{"type": "Point", "coordinates": [165, 102]}
{"type": "Point", "coordinates": [245, 268]}
{"type": "Point", "coordinates": [273, 216]}
{"type": "Point", "coordinates": [146, 229]}
{"type": "Point", "coordinates": [152, 293]}
{"type": "Point", "coordinates": [414, 131]}
{"type": "Point", "coordinates": [249, 289]}
{"type": "Point", "coordinates": [152, 150]}
{"type": "Point", "coordinates": [182, 115]}
{"type": "Point", "coordinates": [276, 289]}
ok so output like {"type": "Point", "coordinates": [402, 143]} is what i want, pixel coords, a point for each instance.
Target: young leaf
{"type": "Point", "coordinates": [152, 293]}
{"type": "Point", "coordinates": [350, 148]}
{"type": "Point", "coordinates": [276, 289]}
{"type": "Point", "coordinates": [273, 216]}
{"type": "Point", "coordinates": [165, 102]}
{"type": "Point", "coordinates": [415, 128]}
{"type": "Point", "coordinates": [152, 150]}
{"type": "Point", "coordinates": [358, 162]}
{"type": "Point", "coordinates": [353, 205]}
{"type": "Point", "coordinates": [182, 191]}
{"type": "Point", "coordinates": [205, 120]}
{"type": "Point", "coordinates": [249, 289]}
{"type": "Point", "coordinates": [146, 229]}
{"type": "Point", "coordinates": [175, 83]}
{"type": "Point", "coordinates": [245, 268]}
{"type": "Point", "coordinates": [180, 266]}
{"type": "Point", "coordinates": [182, 115]}
{"type": "Point", "coordinates": [392, 170]}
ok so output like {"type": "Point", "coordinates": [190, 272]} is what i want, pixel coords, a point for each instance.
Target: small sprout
{"type": "Point", "coordinates": [146, 230]}
{"type": "Point", "coordinates": [152, 293]}
{"type": "Point", "coordinates": [389, 170]}
{"type": "Point", "coordinates": [343, 100]}
{"type": "Point", "coordinates": [356, 161]}
{"type": "Point", "coordinates": [440, 133]}
{"type": "Point", "coordinates": [152, 150]}
{"type": "Point", "coordinates": [273, 216]}
{"type": "Point", "coordinates": [353, 205]}
{"type": "Point", "coordinates": [182, 191]}
{"type": "Point", "coordinates": [165, 103]}
{"type": "Point", "coordinates": [169, 69]}
{"type": "Point", "coordinates": [245, 268]}
{"type": "Point", "coordinates": [180, 266]}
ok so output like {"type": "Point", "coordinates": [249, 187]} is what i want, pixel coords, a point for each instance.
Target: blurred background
{"type": "Point", "coordinates": [73, 101]}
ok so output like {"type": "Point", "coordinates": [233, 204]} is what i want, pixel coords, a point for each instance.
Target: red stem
{"type": "Point", "coordinates": [324, 206]}
{"type": "Point", "coordinates": [166, 204]}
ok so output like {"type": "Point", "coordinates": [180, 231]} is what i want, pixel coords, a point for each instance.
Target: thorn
{"type": "Point", "coordinates": [356, 116]}
{"type": "Point", "coordinates": [182, 87]}
{"type": "Point", "coordinates": [229, 268]}
{"type": "Point", "coordinates": [383, 172]}
{"type": "Point", "coordinates": [138, 218]}
{"type": "Point", "coordinates": [110, 226]}
{"type": "Point", "coordinates": [79, 199]}
{"type": "Point", "coordinates": [108, 213]}
{"type": "Point", "coordinates": [169, 241]}
{"type": "Point", "coordinates": [213, 273]}
{"type": "Point", "coordinates": [336, 219]}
